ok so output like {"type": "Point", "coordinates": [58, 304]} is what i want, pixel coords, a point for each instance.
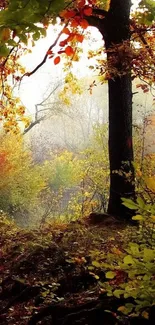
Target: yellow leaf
{"type": "Point", "coordinates": [145, 314]}
{"type": "Point", "coordinates": [122, 309]}
{"type": "Point", "coordinates": [116, 251]}
{"type": "Point", "coordinates": [150, 182]}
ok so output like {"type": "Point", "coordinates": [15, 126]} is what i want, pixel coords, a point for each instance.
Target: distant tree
{"type": "Point", "coordinates": [45, 109]}
{"type": "Point", "coordinates": [21, 182]}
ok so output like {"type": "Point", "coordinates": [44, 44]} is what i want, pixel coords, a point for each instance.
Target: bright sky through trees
{"type": "Point", "coordinates": [32, 89]}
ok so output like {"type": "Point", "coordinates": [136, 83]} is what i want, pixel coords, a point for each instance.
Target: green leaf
{"type": "Point", "coordinates": [134, 248]}
{"type": "Point", "coordinates": [4, 51]}
{"type": "Point", "coordinates": [146, 277]}
{"type": "Point", "coordinates": [129, 204]}
{"type": "Point", "coordinates": [128, 260]}
{"type": "Point", "coordinates": [96, 264]}
{"type": "Point", "coordinates": [149, 254]}
{"type": "Point", "coordinates": [129, 307]}
{"type": "Point", "coordinates": [140, 202]}
{"type": "Point", "coordinates": [110, 275]}
{"type": "Point", "coordinates": [117, 293]}
{"type": "Point", "coordinates": [138, 217]}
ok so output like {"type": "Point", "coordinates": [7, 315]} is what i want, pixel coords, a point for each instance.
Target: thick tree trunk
{"type": "Point", "coordinates": [120, 144]}
{"type": "Point", "coordinates": [115, 31]}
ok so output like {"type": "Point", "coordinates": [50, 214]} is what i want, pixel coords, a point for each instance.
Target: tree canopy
{"type": "Point", "coordinates": [22, 21]}
{"type": "Point", "coordinates": [128, 53]}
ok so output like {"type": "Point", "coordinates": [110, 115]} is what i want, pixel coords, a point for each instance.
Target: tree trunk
{"type": "Point", "coordinates": [120, 144]}
{"type": "Point", "coordinates": [115, 30]}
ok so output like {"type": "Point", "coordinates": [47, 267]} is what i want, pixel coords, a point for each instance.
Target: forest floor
{"type": "Point", "coordinates": [53, 275]}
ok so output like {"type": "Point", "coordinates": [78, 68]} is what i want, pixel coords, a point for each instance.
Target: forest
{"type": "Point", "coordinates": [77, 162]}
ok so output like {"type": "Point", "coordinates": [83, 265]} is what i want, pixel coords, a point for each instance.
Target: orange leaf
{"type": "Point", "coordinates": [63, 43]}
{"type": "Point", "coordinates": [66, 31]}
{"type": "Point", "coordinates": [81, 3]}
{"type": "Point", "coordinates": [70, 37]}
{"type": "Point", "coordinates": [79, 38]}
{"type": "Point", "coordinates": [87, 11]}
{"type": "Point", "coordinates": [57, 60]}
{"type": "Point", "coordinates": [84, 23]}
{"type": "Point", "coordinates": [5, 35]}
{"type": "Point", "coordinates": [69, 50]}
{"type": "Point", "coordinates": [68, 13]}
{"type": "Point", "coordinates": [74, 23]}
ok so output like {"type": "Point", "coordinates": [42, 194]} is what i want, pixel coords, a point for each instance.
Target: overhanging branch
{"type": "Point", "coordinates": [28, 74]}
{"type": "Point", "coordinates": [94, 20]}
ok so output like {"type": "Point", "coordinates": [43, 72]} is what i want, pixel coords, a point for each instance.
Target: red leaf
{"type": "Point", "coordinates": [66, 31]}
{"type": "Point", "coordinates": [74, 23]}
{"type": "Point", "coordinates": [63, 43]}
{"type": "Point", "coordinates": [57, 60]}
{"type": "Point", "coordinates": [69, 50]}
{"type": "Point", "coordinates": [84, 23]}
{"type": "Point", "coordinates": [70, 37]}
{"type": "Point", "coordinates": [68, 13]}
{"type": "Point", "coordinates": [81, 3]}
{"type": "Point", "coordinates": [79, 38]}
{"type": "Point", "coordinates": [87, 11]}
{"type": "Point", "coordinates": [49, 52]}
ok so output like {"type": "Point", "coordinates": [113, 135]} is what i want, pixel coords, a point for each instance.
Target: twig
{"type": "Point", "coordinates": [28, 74]}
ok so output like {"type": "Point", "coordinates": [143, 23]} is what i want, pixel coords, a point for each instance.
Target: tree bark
{"type": "Point", "coordinates": [115, 30]}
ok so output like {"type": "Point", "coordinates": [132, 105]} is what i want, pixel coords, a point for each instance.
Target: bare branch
{"type": "Point", "coordinates": [38, 119]}
{"type": "Point", "coordinates": [28, 74]}
{"type": "Point", "coordinates": [33, 124]}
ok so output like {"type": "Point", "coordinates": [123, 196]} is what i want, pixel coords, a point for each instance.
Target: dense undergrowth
{"type": "Point", "coordinates": [76, 273]}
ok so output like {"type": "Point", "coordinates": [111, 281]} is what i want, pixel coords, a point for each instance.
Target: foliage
{"type": "Point", "coordinates": [60, 170]}
{"type": "Point", "coordinates": [76, 260]}
{"type": "Point", "coordinates": [83, 177]}
{"type": "Point", "coordinates": [41, 268]}
{"type": "Point", "coordinates": [94, 173]}
{"type": "Point", "coordinates": [12, 111]}
{"type": "Point", "coordinates": [20, 181]}
{"type": "Point", "coordinates": [21, 18]}
{"type": "Point", "coordinates": [130, 270]}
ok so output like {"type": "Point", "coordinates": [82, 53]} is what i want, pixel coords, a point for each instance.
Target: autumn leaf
{"type": "Point", "coordinates": [84, 23]}
{"type": "Point", "coordinates": [79, 38]}
{"type": "Point", "coordinates": [5, 35]}
{"type": "Point", "coordinates": [63, 43]}
{"type": "Point", "coordinates": [45, 22]}
{"type": "Point", "coordinates": [70, 37]}
{"type": "Point", "coordinates": [57, 60]}
{"type": "Point", "coordinates": [74, 23]}
{"type": "Point", "coordinates": [81, 3]}
{"type": "Point", "coordinates": [68, 14]}
{"type": "Point", "coordinates": [69, 50]}
{"type": "Point", "coordinates": [150, 182]}
{"type": "Point", "coordinates": [66, 31]}
{"type": "Point", "coordinates": [49, 52]}
{"type": "Point", "coordinates": [87, 11]}
{"type": "Point", "coordinates": [75, 58]}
